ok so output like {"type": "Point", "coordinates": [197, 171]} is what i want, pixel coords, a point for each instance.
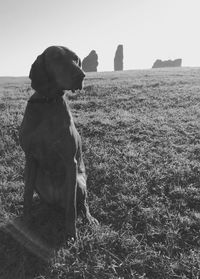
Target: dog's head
{"type": "Point", "coordinates": [55, 70]}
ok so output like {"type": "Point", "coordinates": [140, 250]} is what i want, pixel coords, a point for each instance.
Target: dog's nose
{"type": "Point", "coordinates": [81, 75]}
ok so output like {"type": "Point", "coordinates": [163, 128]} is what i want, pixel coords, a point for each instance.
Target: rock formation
{"type": "Point", "coordinates": [167, 63]}
{"type": "Point", "coordinates": [118, 60]}
{"type": "Point", "coordinates": [90, 62]}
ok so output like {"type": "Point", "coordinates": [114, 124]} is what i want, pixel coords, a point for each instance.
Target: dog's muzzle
{"type": "Point", "coordinates": [77, 83]}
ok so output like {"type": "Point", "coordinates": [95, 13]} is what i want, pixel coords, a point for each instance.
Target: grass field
{"type": "Point", "coordinates": [141, 144]}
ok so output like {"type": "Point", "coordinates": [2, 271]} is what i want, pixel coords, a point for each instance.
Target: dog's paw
{"type": "Point", "coordinates": [70, 232]}
{"type": "Point", "coordinates": [70, 239]}
{"type": "Point", "coordinates": [92, 221]}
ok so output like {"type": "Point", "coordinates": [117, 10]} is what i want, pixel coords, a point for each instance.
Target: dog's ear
{"type": "Point", "coordinates": [38, 74]}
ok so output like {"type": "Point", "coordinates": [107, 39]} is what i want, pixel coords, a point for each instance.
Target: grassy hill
{"type": "Point", "coordinates": [141, 144]}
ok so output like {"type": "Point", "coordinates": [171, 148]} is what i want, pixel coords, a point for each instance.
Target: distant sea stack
{"type": "Point", "coordinates": [118, 60]}
{"type": "Point", "coordinates": [90, 62]}
{"type": "Point", "coordinates": [167, 63]}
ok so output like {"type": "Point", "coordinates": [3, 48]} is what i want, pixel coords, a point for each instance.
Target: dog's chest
{"type": "Point", "coordinates": [55, 141]}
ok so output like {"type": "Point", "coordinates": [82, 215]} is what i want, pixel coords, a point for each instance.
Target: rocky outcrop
{"type": "Point", "coordinates": [167, 63]}
{"type": "Point", "coordinates": [90, 62]}
{"type": "Point", "coordinates": [118, 60]}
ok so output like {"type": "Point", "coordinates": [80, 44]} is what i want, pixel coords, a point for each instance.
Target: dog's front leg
{"type": "Point", "coordinates": [70, 198]}
{"type": "Point", "coordinates": [30, 177]}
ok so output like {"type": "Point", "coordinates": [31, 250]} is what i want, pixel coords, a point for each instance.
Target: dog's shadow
{"type": "Point", "coordinates": [42, 236]}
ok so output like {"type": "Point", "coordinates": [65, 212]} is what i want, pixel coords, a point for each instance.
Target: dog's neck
{"type": "Point", "coordinates": [52, 105]}
{"type": "Point", "coordinates": [40, 97]}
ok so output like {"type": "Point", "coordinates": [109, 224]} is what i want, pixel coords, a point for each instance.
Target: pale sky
{"type": "Point", "coordinates": [148, 29]}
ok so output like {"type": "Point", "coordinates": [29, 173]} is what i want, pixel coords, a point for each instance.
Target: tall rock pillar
{"type": "Point", "coordinates": [118, 60]}
{"type": "Point", "coordinates": [90, 62]}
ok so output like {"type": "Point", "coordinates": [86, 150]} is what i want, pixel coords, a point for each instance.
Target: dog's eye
{"type": "Point", "coordinates": [75, 62]}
